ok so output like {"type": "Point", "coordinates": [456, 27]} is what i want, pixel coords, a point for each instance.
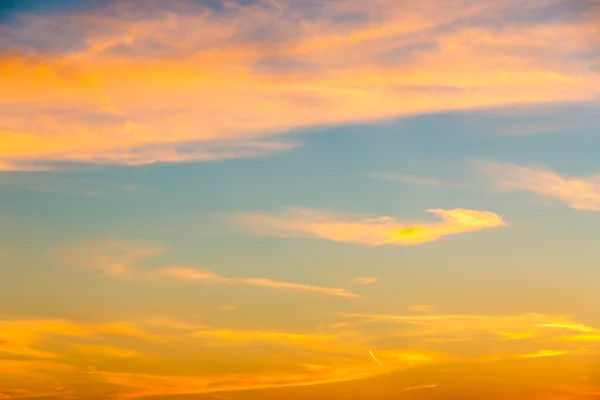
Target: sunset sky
{"type": "Point", "coordinates": [300, 199]}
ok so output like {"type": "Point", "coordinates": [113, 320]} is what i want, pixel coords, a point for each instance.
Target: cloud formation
{"type": "Point", "coordinates": [104, 85]}
{"type": "Point", "coordinates": [366, 280]}
{"type": "Point", "coordinates": [190, 274]}
{"type": "Point", "coordinates": [297, 222]}
{"type": "Point", "coordinates": [122, 259]}
{"type": "Point", "coordinates": [417, 180]}
{"type": "Point", "coordinates": [269, 283]}
{"type": "Point", "coordinates": [195, 354]}
{"type": "Point", "coordinates": [578, 193]}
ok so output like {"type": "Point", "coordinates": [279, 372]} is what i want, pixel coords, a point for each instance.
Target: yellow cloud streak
{"type": "Point", "coordinates": [372, 232]}
{"type": "Point", "coordinates": [434, 327]}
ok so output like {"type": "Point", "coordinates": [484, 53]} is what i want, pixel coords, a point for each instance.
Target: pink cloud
{"type": "Point", "coordinates": [581, 193]}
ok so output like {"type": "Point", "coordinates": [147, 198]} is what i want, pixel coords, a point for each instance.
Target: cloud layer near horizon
{"type": "Point", "coordinates": [64, 350]}
{"type": "Point", "coordinates": [124, 84]}
{"type": "Point", "coordinates": [297, 222]}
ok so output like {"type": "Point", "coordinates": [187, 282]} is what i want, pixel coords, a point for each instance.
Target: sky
{"type": "Point", "coordinates": [294, 199]}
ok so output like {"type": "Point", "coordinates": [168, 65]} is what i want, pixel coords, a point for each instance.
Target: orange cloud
{"type": "Point", "coordinates": [239, 336]}
{"type": "Point", "coordinates": [22, 337]}
{"type": "Point", "coordinates": [107, 86]}
{"type": "Point", "coordinates": [202, 358]}
{"type": "Point", "coordinates": [106, 351]}
{"type": "Point", "coordinates": [577, 193]}
{"type": "Point", "coordinates": [297, 222]}
{"type": "Point", "coordinates": [429, 386]}
{"type": "Point", "coordinates": [434, 327]}
{"type": "Point", "coordinates": [191, 274]}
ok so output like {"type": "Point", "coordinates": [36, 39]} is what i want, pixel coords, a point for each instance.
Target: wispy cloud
{"type": "Point", "coordinates": [297, 222]}
{"type": "Point", "coordinates": [578, 193]}
{"type": "Point", "coordinates": [269, 283]}
{"type": "Point", "coordinates": [417, 180]}
{"type": "Point", "coordinates": [106, 351]}
{"type": "Point", "coordinates": [190, 274]}
{"type": "Point", "coordinates": [421, 308]}
{"type": "Point", "coordinates": [116, 258]}
{"type": "Point", "coordinates": [107, 85]}
{"type": "Point", "coordinates": [243, 336]}
{"type": "Point", "coordinates": [366, 280]}
{"type": "Point", "coordinates": [25, 337]}
{"type": "Point", "coordinates": [121, 259]}
{"type": "Point", "coordinates": [419, 387]}
{"type": "Point", "coordinates": [433, 327]}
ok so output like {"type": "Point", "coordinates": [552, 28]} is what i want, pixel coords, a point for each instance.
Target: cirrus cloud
{"type": "Point", "coordinates": [581, 193]}
{"type": "Point", "coordinates": [122, 259]}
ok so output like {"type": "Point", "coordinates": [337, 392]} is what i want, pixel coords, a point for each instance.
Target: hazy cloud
{"type": "Point", "coordinates": [417, 180]}
{"type": "Point", "coordinates": [578, 193]}
{"type": "Point", "coordinates": [421, 308]}
{"type": "Point", "coordinates": [269, 283]}
{"type": "Point", "coordinates": [366, 280]}
{"type": "Point", "coordinates": [121, 259]}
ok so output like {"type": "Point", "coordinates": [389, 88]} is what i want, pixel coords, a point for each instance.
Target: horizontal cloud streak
{"type": "Point", "coordinates": [188, 82]}
{"type": "Point", "coordinates": [577, 193]}
{"type": "Point", "coordinates": [366, 280]}
{"type": "Point", "coordinates": [190, 274]}
{"type": "Point", "coordinates": [296, 286]}
{"type": "Point", "coordinates": [121, 259]}
{"type": "Point", "coordinates": [296, 222]}
{"type": "Point", "coordinates": [417, 180]}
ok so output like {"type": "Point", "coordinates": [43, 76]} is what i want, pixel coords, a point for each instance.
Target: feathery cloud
{"type": "Point", "coordinates": [577, 193]}
{"type": "Point", "coordinates": [366, 280]}
{"type": "Point", "coordinates": [421, 308]}
{"type": "Point", "coordinates": [434, 327]}
{"type": "Point", "coordinates": [116, 259]}
{"type": "Point", "coordinates": [269, 283]}
{"type": "Point", "coordinates": [297, 222]}
{"type": "Point", "coordinates": [121, 259]}
{"type": "Point", "coordinates": [417, 180]}
{"type": "Point", "coordinates": [420, 387]}
{"type": "Point", "coordinates": [103, 85]}
{"type": "Point", "coordinates": [190, 274]}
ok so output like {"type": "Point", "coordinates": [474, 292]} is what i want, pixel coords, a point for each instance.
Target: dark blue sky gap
{"type": "Point", "coordinates": [8, 7]}
{"type": "Point", "coordinates": [11, 7]}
